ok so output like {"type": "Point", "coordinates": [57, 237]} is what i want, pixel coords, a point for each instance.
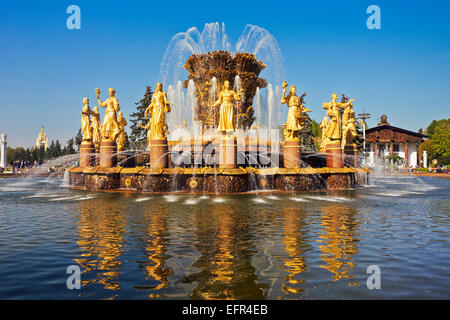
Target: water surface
{"type": "Point", "coordinates": [253, 246]}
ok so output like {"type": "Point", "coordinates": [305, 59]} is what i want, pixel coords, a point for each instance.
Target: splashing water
{"type": "Point", "coordinates": [254, 39]}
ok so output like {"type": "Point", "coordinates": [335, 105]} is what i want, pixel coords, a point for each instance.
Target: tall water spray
{"type": "Point", "coordinates": [254, 39]}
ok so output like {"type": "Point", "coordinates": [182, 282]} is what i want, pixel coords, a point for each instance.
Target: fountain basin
{"type": "Point", "coordinates": [215, 180]}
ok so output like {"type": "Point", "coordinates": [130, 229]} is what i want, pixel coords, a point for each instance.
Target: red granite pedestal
{"type": "Point", "coordinates": [334, 155]}
{"type": "Point", "coordinates": [158, 153]}
{"type": "Point", "coordinates": [108, 153]}
{"type": "Point", "coordinates": [87, 156]}
{"type": "Point", "coordinates": [291, 154]}
{"type": "Point", "coordinates": [228, 153]}
{"type": "Point", "coordinates": [97, 155]}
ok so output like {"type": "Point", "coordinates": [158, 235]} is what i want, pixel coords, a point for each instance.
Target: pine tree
{"type": "Point", "coordinates": [57, 151]}
{"type": "Point", "coordinates": [306, 136]}
{"type": "Point", "coordinates": [69, 147]}
{"type": "Point", "coordinates": [78, 139]}
{"type": "Point", "coordinates": [138, 136]}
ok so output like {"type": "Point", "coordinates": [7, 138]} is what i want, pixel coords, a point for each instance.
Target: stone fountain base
{"type": "Point", "coordinates": [215, 180]}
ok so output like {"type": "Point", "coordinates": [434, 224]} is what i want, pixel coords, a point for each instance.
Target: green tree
{"type": "Point", "coordinates": [138, 135]}
{"type": "Point", "coordinates": [69, 147]}
{"type": "Point", "coordinates": [306, 136]}
{"type": "Point", "coordinates": [79, 139]}
{"type": "Point", "coordinates": [438, 147]}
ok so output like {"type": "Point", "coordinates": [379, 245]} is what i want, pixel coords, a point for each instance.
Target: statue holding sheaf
{"type": "Point", "coordinates": [109, 128]}
{"type": "Point", "coordinates": [295, 119]}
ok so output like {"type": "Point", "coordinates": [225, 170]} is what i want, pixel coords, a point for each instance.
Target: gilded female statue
{"type": "Point", "coordinates": [157, 110]}
{"type": "Point", "coordinates": [295, 116]}
{"type": "Point", "coordinates": [348, 125]}
{"type": "Point", "coordinates": [85, 121]}
{"type": "Point", "coordinates": [109, 128]}
{"type": "Point", "coordinates": [121, 122]}
{"type": "Point", "coordinates": [95, 123]}
{"type": "Point", "coordinates": [227, 118]}
{"type": "Point", "coordinates": [333, 129]}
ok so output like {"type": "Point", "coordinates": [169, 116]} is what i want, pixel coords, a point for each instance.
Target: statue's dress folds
{"type": "Point", "coordinates": [226, 119]}
{"type": "Point", "coordinates": [294, 114]}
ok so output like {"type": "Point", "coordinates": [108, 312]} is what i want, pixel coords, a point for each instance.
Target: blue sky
{"type": "Point", "coordinates": [401, 70]}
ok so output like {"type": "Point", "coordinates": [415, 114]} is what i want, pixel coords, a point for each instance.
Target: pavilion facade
{"type": "Point", "coordinates": [385, 140]}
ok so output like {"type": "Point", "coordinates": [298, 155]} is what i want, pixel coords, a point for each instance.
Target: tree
{"type": "Point", "coordinates": [69, 147]}
{"type": "Point", "coordinates": [79, 139]}
{"type": "Point", "coordinates": [438, 147]}
{"type": "Point", "coordinates": [138, 136]}
{"type": "Point", "coordinates": [306, 136]}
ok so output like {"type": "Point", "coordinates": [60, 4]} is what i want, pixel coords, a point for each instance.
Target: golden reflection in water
{"type": "Point", "coordinates": [295, 247]}
{"type": "Point", "coordinates": [101, 229]}
{"type": "Point", "coordinates": [225, 261]}
{"type": "Point", "coordinates": [339, 238]}
{"type": "Point", "coordinates": [156, 219]}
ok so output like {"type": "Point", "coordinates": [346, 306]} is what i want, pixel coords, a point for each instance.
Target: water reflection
{"type": "Point", "coordinates": [338, 238]}
{"type": "Point", "coordinates": [295, 246]}
{"type": "Point", "coordinates": [226, 250]}
{"type": "Point", "coordinates": [155, 220]}
{"type": "Point", "coordinates": [101, 228]}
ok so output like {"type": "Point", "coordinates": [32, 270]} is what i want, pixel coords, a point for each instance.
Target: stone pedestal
{"type": "Point", "coordinates": [291, 154]}
{"type": "Point", "coordinates": [87, 154]}
{"type": "Point", "coordinates": [158, 153]}
{"type": "Point", "coordinates": [334, 155]}
{"type": "Point", "coordinates": [351, 156]}
{"type": "Point", "coordinates": [108, 154]}
{"type": "Point", "coordinates": [228, 153]}
{"type": "Point", "coordinates": [97, 155]}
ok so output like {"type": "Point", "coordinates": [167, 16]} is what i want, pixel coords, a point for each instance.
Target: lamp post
{"type": "Point", "coordinates": [364, 116]}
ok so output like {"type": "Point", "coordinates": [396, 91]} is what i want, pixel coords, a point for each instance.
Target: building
{"type": "Point", "coordinates": [3, 144]}
{"type": "Point", "coordinates": [42, 139]}
{"type": "Point", "coordinates": [386, 140]}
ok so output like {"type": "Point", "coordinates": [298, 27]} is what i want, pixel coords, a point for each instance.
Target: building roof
{"type": "Point", "coordinates": [404, 131]}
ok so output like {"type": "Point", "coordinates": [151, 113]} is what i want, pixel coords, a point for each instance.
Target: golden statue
{"type": "Point", "coordinates": [120, 140]}
{"type": "Point", "coordinates": [95, 124]}
{"type": "Point", "coordinates": [295, 118]}
{"type": "Point", "coordinates": [157, 110]}
{"type": "Point", "coordinates": [227, 118]}
{"type": "Point", "coordinates": [149, 131]}
{"type": "Point", "coordinates": [86, 128]}
{"type": "Point", "coordinates": [332, 125]}
{"type": "Point", "coordinates": [348, 125]}
{"type": "Point", "coordinates": [109, 128]}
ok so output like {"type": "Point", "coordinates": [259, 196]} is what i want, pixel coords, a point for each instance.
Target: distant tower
{"type": "Point", "coordinates": [3, 144]}
{"type": "Point", "coordinates": [42, 139]}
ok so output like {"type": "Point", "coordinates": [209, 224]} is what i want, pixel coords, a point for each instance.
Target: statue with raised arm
{"type": "Point", "coordinates": [109, 128]}
{"type": "Point", "coordinates": [333, 129]}
{"type": "Point", "coordinates": [295, 119]}
{"type": "Point", "coordinates": [227, 108]}
{"type": "Point", "coordinates": [95, 124]}
{"type": "Point", "coordinates": [157, 111]}
{"type": "Point", "coordinates": [120, 140]}
{"type": "Point", "coordinates": [348, 124]}
{"type": "Point", "coordinates": [86, 128]}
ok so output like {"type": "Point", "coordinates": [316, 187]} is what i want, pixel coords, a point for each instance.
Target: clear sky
{"type": "Point", "coordinates": [402, 70]}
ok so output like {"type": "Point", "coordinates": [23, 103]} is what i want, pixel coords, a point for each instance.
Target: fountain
{"type": "Point", "coordinates": [224, 148]}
